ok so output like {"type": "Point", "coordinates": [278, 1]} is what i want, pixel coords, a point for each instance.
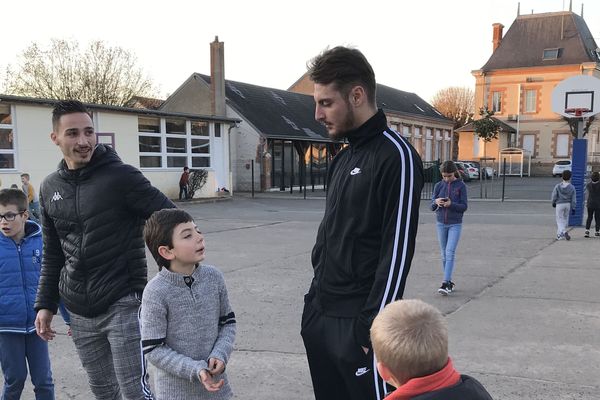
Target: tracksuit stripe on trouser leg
{"type": "Point", "coordinates": [398, 271]}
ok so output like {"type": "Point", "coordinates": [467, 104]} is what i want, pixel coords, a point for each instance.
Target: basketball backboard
{"type": "Point", "coordinates": [577, 96]}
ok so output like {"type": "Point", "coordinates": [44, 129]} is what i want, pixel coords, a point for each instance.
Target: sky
{"type": "Point", "coordinates": [416, 46]}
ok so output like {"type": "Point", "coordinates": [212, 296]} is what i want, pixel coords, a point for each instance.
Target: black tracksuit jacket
{"type": "Point", "coordinates": [92, 221]}
{"type": "Point", "coordinates": [366, 240]}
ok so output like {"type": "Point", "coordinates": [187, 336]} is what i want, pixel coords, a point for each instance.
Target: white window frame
{"type": "Point", "coordinates": [497, 101]}
{"type": "Point", "coordinates": [12, 126]}
{"type": "Point", "coordinates": [406, 131]}
{"type": "Point", "coordinates": [565, 138]}
{"type": "Point", "coordinates": [530, 102]}
{"type": "Point", "coordinates": [164, 154]}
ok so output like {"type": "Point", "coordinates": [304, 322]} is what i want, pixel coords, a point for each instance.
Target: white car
{"type": "Point", "coordinates": [560, 166]}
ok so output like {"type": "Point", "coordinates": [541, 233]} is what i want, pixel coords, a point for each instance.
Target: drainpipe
{"type": "Point", "coordinates": [518, 115]}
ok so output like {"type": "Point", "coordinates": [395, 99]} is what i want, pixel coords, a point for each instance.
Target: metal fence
{"type": "Point", "coordinates": [432, 175]}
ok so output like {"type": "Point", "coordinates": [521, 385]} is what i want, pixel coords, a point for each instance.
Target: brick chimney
{"type": "Point", "coordinates": [217, 77]}
{"type": "Point", "coordinates": [497, 31]}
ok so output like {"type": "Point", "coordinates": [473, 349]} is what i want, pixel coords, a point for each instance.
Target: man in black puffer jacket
{"type": "Point", "coordinates": [93, 212]}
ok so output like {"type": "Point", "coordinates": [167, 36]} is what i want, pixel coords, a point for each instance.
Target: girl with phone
{"type": "Point", "coordinates": [449, 201]}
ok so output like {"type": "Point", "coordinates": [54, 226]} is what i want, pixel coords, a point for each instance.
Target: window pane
{"type": "Point", "coordinates": [149, 144]}
{"type": "Point", "coordinates": [200, 128]}
{"type": "Point", "coordinates": [176, 145]}
{"type": "Point", "coordinates": [7, 161]}
{"type": "Point", "coordinates": [146, 124]}
{"type": "Point", "coordinates": [150, 161]}
{"type": "Point", "coordinates": [176, 126]}
{"type": "Point", "coordinates": [6, 139]}
{"type": "Point", "coordinates": [200, 162]}
{"type": "Point", "coordinates": [496, 102]}
{"type": "Point", "coordinates": [530, 100]}
{"type": "Point", "coordinates": [178, 162]}
{"type": "Point", "coordinates": [200, 146]}
{"type": "Point", "coordinates": [562, 145]}
{"type": "Point", "coordinates": [217, 130]}
{"type": "Point", "coordinates": [5, 117]}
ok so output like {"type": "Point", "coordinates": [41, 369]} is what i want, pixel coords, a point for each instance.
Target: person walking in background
{"type": "Point", "coordinates": [93, 211]}
{"type": "Point", "coordinates": [593, 204]}
{"type": "Point", "coordinates": [184, 181]}
{"type": "Point", "coordinates": [564, 200]}
{"type": "Point", "coordinates": [32, 198]}
{"type": "Point", "coordinates": [20, 260]}
{"type": "Point", "coordinates": [366, 241]}
{"type": "Point", "coordinates": [449, 201]}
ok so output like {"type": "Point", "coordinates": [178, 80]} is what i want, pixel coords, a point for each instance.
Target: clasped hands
{"type": "Point", "coordinates": [207, 376]}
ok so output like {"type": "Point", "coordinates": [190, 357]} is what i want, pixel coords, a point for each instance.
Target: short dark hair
{"type": "Point", "coordinates": [185, 168]}
{"type": "Point", "coordinates": [595, 177]}
{"type": "Point", "coordinates": [566, 175]}
{"type": "Point", "coordinates": [448, 167]}
{"type": "Point", "coordinates": [15, 197]}
{"type": "Point", "coordinates": [64, 107]}
{"type": "Point", "coordinates": [25, 175]}
{"type": "Point", "coordinates": [159, 231]}
{"type": "Point", "coordinates": [344, 67]}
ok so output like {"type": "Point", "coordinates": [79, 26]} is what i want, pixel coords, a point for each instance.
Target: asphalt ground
{"type": "Point", "coordinates": [524, 319]}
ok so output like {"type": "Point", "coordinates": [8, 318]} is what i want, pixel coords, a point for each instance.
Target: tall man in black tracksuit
{"type": "Point", "coordinates": [93, 212]}
{"type": "Point", "coordinates": [366, 240]}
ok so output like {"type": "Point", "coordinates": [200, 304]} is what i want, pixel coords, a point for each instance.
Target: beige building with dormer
{"type": "Point", "coordinates": [536, 54]}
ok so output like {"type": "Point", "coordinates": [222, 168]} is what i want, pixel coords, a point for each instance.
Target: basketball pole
{"type": "Point", "coordinates": [578, 170]}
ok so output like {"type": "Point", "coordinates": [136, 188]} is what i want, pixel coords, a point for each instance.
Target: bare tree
{"type": "Point", "coordinates": [458, 104]}
{"type": "Point", "coordinates": [99, 74]}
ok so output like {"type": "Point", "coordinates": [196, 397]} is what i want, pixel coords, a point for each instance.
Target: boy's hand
{"type": "Point", "coordinates": [215, 366]}
{"type": "Point", "coordinates": [43, 322]}
{"type": "Point", "coordinates": [208, 382]}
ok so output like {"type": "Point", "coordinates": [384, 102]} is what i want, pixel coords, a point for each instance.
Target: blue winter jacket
{"type": "Point", "coordinates": [19, 275]}
{"type": "Point", "coordinates": [457, 192]}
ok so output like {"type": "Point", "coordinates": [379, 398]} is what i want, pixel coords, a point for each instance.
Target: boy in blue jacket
{"type": "Point", "coordinates": [20, 258]}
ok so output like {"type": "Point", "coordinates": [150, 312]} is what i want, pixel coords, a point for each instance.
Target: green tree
{"type": "Point", "coordinates": [486, 127]}
{"type": "Point", "coordinates": [98, 74]}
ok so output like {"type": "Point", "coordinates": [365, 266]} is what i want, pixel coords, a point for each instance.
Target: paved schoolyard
{"type": "Point", "coordinates": [524, 319]}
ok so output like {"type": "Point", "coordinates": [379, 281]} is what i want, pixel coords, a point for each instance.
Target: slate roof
{"type": "Point", "coordinates": [275, 113]}
{"type": "Point", "coordinates": [144, 102]}
{"type": "Point", "coordinates": [282, 114]}
{"type": "Point", "coordinates": [398, 101]}
{"type": "Point", "coordinates": [524, 43]}
{"type": "Point", "coordinates": [504, 127]}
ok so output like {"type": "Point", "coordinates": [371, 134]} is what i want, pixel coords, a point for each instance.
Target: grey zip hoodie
{"type": "Point", "coordinates": [564, 192]}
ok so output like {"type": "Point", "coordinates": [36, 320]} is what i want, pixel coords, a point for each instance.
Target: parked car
{"type": "Point", "coordinates": [471, 169]}
{"type": "Point", "coordinates": [489, 171]}
{"type": "Point", "coordinates": [560, 166]}
{"type": "Point", "coordinates": [462, 171]}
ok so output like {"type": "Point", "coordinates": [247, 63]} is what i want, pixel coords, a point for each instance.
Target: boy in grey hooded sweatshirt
{"type": "Point", "coordinates": [564, 200]}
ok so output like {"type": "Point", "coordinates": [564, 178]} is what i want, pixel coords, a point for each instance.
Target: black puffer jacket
{"type": "Point", "coordinates": [93, 219]}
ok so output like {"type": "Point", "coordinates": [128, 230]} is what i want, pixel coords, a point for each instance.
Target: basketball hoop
{"type": "Point", "coordinates": [577, 112]}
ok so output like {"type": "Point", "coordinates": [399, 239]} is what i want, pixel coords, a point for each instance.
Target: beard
{"type": "Point", "coordinates": [347, 124]}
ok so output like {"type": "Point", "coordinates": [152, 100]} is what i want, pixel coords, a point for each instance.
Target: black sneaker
{"type": "Point", "coordinates": [444, 289]}
{"type": "Point", "coordinates": [451, 286]}
{"type": "Point", "coordinates": [587, 234]}
{"type": "Point", "coordinates": [567, 236]}
{"type": "Point", "coordinates": [597, 233]}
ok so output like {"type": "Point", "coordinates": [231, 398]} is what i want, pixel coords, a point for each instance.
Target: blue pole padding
{"type": "Point", "coordinates": [578, 170]}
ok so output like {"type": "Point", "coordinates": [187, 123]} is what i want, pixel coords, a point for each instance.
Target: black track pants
{"type": "Point", "coordinates": [339, 368]}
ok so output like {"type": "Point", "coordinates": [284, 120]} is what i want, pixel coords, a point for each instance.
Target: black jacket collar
{"type": "Point", "coordinates": [374, 126]}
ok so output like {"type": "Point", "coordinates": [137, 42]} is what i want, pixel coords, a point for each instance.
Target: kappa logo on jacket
{"type": "Point", "coordinates": [56, 197]}
{"type": "Point", "coordinates": [355, 171]}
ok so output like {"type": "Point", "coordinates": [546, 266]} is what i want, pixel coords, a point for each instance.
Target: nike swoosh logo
{"type": "Point", "coordinates": [361, 371]}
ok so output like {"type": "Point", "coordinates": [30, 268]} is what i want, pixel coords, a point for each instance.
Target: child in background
{"type": "Point", "coordinates": [188, 327]}
{"type": "Point", "coordinates": [20, 261]}
{"type": "Point", "coordinates": [410, 341]}
{"type": "Point", "coordinates": [593, 203]}
{"type": "Point", "coordinates": [563, 199]}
